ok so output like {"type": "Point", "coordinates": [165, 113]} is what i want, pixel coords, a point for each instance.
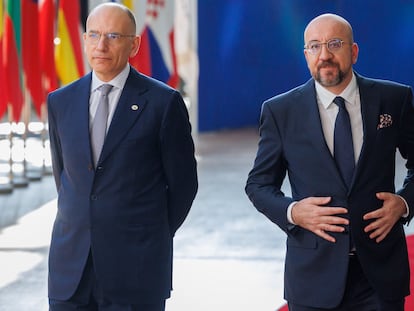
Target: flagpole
{"type": "Point", "coordinates": [47, 165]}
{"type": "Point", "coordinates": [33, 172]}
{"type": "Point", "coordinates": [18, 144]}
{"type": "Point", "coordinates": [7, 185]}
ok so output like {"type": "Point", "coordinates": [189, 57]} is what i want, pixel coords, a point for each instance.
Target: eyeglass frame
{"type": "Point", "coordinates": [342, 42]}
{"type": "Point", "coordinates": [111, 36]}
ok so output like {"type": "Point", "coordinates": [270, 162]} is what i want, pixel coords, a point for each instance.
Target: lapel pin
{"type": "Point", "coordinates": [134, 107]}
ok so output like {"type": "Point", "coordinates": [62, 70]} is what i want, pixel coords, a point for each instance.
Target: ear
{"type": "Point", "coordinates": [135, 46]}
{"type": "Point", "coordinates": [84, 41]}
{"type": "Point", "coordinates": [355, 50]}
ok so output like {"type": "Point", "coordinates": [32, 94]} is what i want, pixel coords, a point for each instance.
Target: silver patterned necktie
{"type": "Point", "coordinates": [98, 129]}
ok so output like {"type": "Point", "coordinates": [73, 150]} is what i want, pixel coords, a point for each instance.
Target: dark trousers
{"type": "Point", "coordinates": [359, 295]}
{"type": "Point", "coordinates": [88, 297]}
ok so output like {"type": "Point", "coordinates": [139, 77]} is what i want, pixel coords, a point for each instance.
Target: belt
{"type": "Point", "coordinates": [352, 253]}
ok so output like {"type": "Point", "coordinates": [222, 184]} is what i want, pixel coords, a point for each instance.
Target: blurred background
{"type": "Point", "coordinates": [226, 57]}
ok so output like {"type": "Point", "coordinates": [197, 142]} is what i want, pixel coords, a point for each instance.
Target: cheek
{"type": "Point", "coordinates": [312, 64]}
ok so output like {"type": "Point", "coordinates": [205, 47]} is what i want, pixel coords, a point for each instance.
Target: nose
{"type": "Point", "coordinates": [325, 53]}
{"type": "Point", "coordinates": [101, 44]}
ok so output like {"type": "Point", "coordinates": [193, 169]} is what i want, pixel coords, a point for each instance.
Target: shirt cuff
{"type": "Point", "coordinates": [289, 212]}
{"type": "Point", "coordinates": [406, 207]}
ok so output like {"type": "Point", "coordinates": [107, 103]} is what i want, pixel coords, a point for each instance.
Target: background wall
{"type": "Point", "coordinates": [252, 50]}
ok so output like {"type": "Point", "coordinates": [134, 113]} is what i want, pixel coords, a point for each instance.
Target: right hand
{"type": "Point", "coordinates": [313, 214]}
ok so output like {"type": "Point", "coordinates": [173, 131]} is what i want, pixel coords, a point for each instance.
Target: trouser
{"type": "Point", "coordinates": [359, 294]}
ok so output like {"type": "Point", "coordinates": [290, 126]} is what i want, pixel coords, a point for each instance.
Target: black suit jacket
{"type": "Point", "coordinates": [127, 210]}
{"type": "Point", "coordinates": [292, 142]}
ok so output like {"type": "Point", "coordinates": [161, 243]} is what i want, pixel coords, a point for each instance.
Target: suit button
{"type": "Point", "coordinates": [94, 197]}
{"type": "Point", "coordinates": [90, 167]}
{"type": "Point", "coordinates": [99, 168]}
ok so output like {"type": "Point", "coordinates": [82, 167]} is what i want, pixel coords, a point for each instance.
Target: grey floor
{"type": "Point", "coordinates": [227, 255]}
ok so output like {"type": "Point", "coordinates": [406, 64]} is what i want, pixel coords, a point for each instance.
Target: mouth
{"type": "Point", "coordinates": [327, 65]}
{"type": "Point", "coordinates": [101, 58]}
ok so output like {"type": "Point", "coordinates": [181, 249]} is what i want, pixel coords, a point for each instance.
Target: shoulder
{"type": "Point", "coordinates": [72, 89]}
{"type": "Point", "coordinates": [296, 96]}
{"type": "Point", "coordinates": [381, 85]}
{"type": "Point", "coordinates": [149, 85]}
{"type": "Point", "coordinates": [159, 96]}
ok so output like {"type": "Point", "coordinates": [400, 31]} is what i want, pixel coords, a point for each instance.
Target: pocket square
{"type": "Point", "coordinates": [385, 120]}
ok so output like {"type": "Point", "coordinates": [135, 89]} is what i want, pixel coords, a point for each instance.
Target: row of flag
{"type": "Point", "coordinates": [31, 61]}
{"type": "Point", "coordinates": [41, 47]}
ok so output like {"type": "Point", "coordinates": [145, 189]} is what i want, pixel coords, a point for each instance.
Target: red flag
{"type": "Point", "coordinates": [12, 58]}
{"type": "Point", "coordinates": [3, 99]}
{"type": "Point", "coordinates": [155, 24]}
{"type": "Point", "coordinates": [47, 28]}
{"type": "Point", "coordinates": [31, 53]}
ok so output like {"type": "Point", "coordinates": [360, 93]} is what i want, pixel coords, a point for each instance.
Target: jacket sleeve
{"type": "Point", "coordinates": [265, 180]}
{"type": "Point", "coordinates": [56, 154]}
{"type": "Point", "coordinates": [178, 160]}
{"type": "Point", "coordinates": [406, 148]}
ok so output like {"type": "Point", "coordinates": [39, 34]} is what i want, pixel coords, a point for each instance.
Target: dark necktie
{"type": "Point", "coordinates": [98, 129]}
{"type": "Point", "coordinates": [343, 144]}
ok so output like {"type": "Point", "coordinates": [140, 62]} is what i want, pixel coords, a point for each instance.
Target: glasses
{"type": "Point", "coordinates": [333, 46]}
{"type": "Point", "coordinates": [112, 37]}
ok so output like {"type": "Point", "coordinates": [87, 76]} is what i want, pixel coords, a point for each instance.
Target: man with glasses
{"type": "Point", "coordinates": [335, 137]}
{"type": "Point", "coordinates": [124, 166]}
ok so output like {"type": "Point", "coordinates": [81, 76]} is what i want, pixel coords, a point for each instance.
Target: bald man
{"type": "Point", "coordinates": [124, 166]}
{"type": "Point", "coordinates": [336, 137]}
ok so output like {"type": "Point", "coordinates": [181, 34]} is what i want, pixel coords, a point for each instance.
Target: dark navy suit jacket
{"type": "Point", "coordinates": [127, 210]}
{"type": "Point", "coordinates": [292, 142]}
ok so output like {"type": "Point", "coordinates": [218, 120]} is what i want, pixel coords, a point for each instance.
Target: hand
{"type": "Point", "coordinates": [312, 214]}
{"type": "Point", "coordinates": [393, 208]}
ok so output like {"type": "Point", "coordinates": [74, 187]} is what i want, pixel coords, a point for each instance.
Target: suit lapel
{"type": "Point", "coordinates": [370, 110]}
{"type": "Point", "coordinates": [79, 111]}
{"type": "Point", "coordinates": [311, 117]}
{"type": "Point", "coordinates": [129, 108]}
{"type": "Point", "coordinates": [310, 114]}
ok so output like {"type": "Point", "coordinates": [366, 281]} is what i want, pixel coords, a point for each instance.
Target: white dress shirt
{"type": "Point", "coordinates": [328, 111]}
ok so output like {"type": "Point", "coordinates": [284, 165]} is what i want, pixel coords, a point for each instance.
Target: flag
{"type": "Point", "coordinates": [47, 29]}
{"type": "Point", "coordinates": [155, 24]}
{"type": "Point", "coordinates": [3, 99]}
{"type": "Point", "coordinates": [12, 48]}
{"type": "Point", "coordinates": [68, 53]}
{"type": "Point", "coordinates": [185, 26]}
{"type": "Point", "coordinates": [31, 53]}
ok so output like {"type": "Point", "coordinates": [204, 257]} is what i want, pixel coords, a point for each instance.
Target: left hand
{"type": "Point", "coordinates": [393, 208]}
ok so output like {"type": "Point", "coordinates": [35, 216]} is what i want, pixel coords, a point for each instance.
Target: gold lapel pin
{"type": "Point", "coordinates": [134, 107]}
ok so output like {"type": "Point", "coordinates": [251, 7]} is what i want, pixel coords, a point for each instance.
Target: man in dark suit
{"type": "Point", "coordinates": [118, 208]}
{"type": "Point", "coordinates": [346, 247]}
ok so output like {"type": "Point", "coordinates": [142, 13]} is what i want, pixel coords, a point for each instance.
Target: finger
{"type": "Point", "coordinates": [332, 220]}
{"type": "Point", "coordinates": [381, 237]}
{"type": "Point", "coordinates": [378, 235]}
{"type": "Point", "coordinates": [373, 226]}
{"type": "Point", "coordinates": [373, 215]}
{"type": "Point", "coordinates": [317, 200]}
{"type": "Point", "coordinates": [325, 236]}
{"type": "Point", "coordinates": [333, 228]}
{"type": "Point", "coordinates": [326, 211]}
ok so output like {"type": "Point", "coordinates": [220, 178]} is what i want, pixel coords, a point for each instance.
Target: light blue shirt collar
{"type": "Point", "coordinates": [117, 82]}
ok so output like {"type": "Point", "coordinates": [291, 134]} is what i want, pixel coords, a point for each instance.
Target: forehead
{"type": "Point", "coordinates": [109, 19]}
{"type": "Point", "coordinates": [326, 28]}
